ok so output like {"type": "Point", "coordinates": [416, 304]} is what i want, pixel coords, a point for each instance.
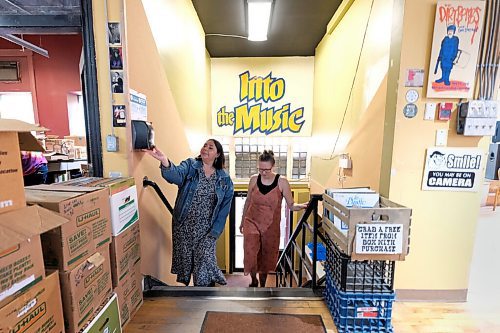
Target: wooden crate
{"type": "Point", "coordinates": [385, 219]}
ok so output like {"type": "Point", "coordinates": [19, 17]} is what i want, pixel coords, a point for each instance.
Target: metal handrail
{"type": "Point", "coordinates": [146, 182]}
{"type": "Point", "coordinates": [286, 262]}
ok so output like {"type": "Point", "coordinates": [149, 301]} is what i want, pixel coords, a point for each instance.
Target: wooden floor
{"type": "Point", "coordinates": [481, 314]}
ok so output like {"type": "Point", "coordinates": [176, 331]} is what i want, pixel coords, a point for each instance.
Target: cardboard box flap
{"type": "Point", "coordinates": [14, 125]}
{"type": "Point", "coordinates": [36, 196]}
{"type": "Point", "coordinates": [62, 188]}
{"type": "Point", "coordinates": [24, 223]}
{"type": "Point", "coordinates": [28, 142]}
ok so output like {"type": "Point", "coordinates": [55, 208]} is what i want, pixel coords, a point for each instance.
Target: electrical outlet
{"type": "Point", "coordinates": [441, 137]}
{"type": "Point", "coordinates": [430, 111]}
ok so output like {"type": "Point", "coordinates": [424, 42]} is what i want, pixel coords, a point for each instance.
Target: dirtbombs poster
{"type": "Point", "coordinates": [453, 169]}
{"type": "Point", "coordinates": [455, 46]}
{"type": "Point", "coordinates": [262, 96]}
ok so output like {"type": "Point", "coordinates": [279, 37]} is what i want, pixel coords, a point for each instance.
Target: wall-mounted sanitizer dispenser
{"type": "Point", "coordinates": [143, 135]}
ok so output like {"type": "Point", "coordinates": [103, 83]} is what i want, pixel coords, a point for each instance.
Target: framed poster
{"type": "Point", "coordinates": [453, 169]}
{"type": "Point", "coordinates": [455, 47]}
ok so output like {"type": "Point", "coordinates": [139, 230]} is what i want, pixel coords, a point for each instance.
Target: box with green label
{"type": "Point", "coordinates": [129, 293]}
{"type": "Point", "coordinates": [89, 227]}
{"type": "Point", "coordinates": [85, 288]}
{"type": "Point", "coordinates": [107, 320]}
{"type": "Point", "coordinates": [21, 260]}
{"type": "Point", "coordinates": [122, 199]}
{"type": "Point", "coordinates": [38, 310]}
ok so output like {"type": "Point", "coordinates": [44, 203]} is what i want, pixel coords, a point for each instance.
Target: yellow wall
{"type": "Point", "coordinates": [335, 67]}
{"type": "Point", "coordinates": [112, 161]}
{"type": "Point", "coordinates": [165, 67]}
{"type": "Point", "coordinates": [180, 40]}
{"type": "Point", "coordinates": [444, 223]}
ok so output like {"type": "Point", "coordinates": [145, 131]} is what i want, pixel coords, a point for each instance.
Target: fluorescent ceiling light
{"type": "Point", "coordinates": [259, 14]}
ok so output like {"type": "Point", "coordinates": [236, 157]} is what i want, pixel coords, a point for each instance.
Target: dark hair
{"type": "Point", "coordinates": [220, 161]}
{"type": "Point", "coordinates": [436, 153]}
{"type": "Point", "coordinates": [267, 156]}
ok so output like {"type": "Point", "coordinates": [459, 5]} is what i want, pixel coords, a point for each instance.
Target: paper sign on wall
{"type": "Point", "coordinates": [452, 169]}
{"type": "Point", "coordinates": [379, 238]}
{"type": "Point", "coordinates": [138, 106]}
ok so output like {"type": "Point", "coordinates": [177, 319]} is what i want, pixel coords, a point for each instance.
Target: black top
{"type": "Point", "coordinates": [265, 189]}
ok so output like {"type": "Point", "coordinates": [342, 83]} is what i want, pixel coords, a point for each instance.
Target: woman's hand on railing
{"type": "Point", "coordinates": [297, 207]}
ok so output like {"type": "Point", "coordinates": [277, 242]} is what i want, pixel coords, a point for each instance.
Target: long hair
{"type": "Point", "coordinates": [220, 161]}
{"type": "Point", "coordinates": [267, 156]}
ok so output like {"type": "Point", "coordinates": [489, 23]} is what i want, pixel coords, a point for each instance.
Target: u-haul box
{"type": "Point", "coordinates": [89, 227]}
{"type": "Point", "coordinates": [38, 310]}
{"type": "Point", "coordinates": [21, 261]}
{"type": "Point", "coordinates": [85, 288]}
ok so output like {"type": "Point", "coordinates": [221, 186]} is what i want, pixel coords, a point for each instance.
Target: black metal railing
{"type": "Point", "coordinates": [294, 263]}
{"type": "Point", "coordinates": [146, 182]}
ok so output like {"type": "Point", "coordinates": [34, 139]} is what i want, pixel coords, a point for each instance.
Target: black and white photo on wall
{"type": "Point", "coordinates": [117, 82]}
{"type": "Point", "coordinates": [114, 33]}
{"type": "Point", "coordinates": [115, 58]}
{"type": "Point", "coordinates": [119, 117]}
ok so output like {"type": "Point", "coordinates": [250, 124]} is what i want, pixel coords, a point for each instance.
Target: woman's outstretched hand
{"type": "Point", "coordinates": [159, 155]}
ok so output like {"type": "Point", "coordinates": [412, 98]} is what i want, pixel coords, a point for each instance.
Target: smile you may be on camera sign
{"type": "Point", "coordinates": [453, 169]}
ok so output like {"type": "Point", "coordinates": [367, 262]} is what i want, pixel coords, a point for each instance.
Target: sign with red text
{"type": "Point", "coordinates": [453, 169]}
{"type": "Point", "coordinates": [455, 46]}
{"type": "Point", "coordinates": [262, 96]}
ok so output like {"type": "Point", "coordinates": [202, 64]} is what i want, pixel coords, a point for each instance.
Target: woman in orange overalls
{"type": "Point", "coordinates": [260, 224]}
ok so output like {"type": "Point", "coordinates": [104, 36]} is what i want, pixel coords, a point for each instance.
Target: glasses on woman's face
{"type": "Point", "coordinates": [265, 170]}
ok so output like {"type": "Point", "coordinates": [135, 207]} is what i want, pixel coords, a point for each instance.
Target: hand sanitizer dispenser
{"type": "Point", "coordinates": [142, 135]}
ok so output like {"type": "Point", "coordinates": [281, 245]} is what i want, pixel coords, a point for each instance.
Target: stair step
{"type": "Point", "coordinates": [234, 292]}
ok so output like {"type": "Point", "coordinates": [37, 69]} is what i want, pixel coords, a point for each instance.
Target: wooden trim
{"type": "Point", "coordinates": [421, 295]}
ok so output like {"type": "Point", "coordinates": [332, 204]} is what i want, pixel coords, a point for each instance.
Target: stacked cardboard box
{"type": "Point", "coordinates": [29, 301]}
{"type": "Point", "coordinates": [125, 244]}
{"type": "Point", "coordinates": [79, 249]}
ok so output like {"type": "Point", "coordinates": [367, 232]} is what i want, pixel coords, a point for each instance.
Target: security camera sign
{"type": "Point", "coordinates": [452, 169]}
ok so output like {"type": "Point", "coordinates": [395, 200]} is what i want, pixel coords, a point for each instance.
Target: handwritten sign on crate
{"type": "Point", "coordinates": [379, 238]}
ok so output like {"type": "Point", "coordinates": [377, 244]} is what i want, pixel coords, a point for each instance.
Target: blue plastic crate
{"type": "Point", "coordinates": [359, 312]}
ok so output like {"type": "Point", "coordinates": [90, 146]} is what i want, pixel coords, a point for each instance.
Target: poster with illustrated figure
{"type": "Point", "coordinates": [455, 47]}
{"type": "Point", "coordinates": [453, 169]}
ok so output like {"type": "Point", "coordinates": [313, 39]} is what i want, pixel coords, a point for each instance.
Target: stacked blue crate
{"type": "Point", "coordinates": [359, 294]}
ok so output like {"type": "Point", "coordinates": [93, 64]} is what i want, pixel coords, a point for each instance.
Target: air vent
{"type": "Point", "coordinates": [9, 71]}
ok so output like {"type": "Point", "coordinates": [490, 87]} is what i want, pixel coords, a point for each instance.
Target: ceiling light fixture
{"type": "Point", "coordinates": [259, 15]}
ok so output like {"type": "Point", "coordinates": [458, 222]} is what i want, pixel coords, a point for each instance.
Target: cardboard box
{"type": "Point", "coordinates": [123, 199]}
{"type": "Point", "coordinates": [107, 320]}
{"type": "Point", "coordinates": [61, 146]}
{"type": "Point", "coordinates": [129, 293]}
{"type": "Point", "coordinates": [21, 261]}
{"type": "Point", "coordinates": [125, 253]}
{"type": "Point", "coordinates": [79, 141]}
{"type": "Point", "coordinates": [89, 224]}
{"type": "Point", "coordinates": [38, 310]}
{"type": "Point", "coordinates": [84, 289]}
{"type": "Point", "coordinates": [14, 136]}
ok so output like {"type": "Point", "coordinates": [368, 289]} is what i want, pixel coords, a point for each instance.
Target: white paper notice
{"type": "Point", "coordinates": [138, 106]}
{"type": "Point", "coordinates": [379, 238]}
